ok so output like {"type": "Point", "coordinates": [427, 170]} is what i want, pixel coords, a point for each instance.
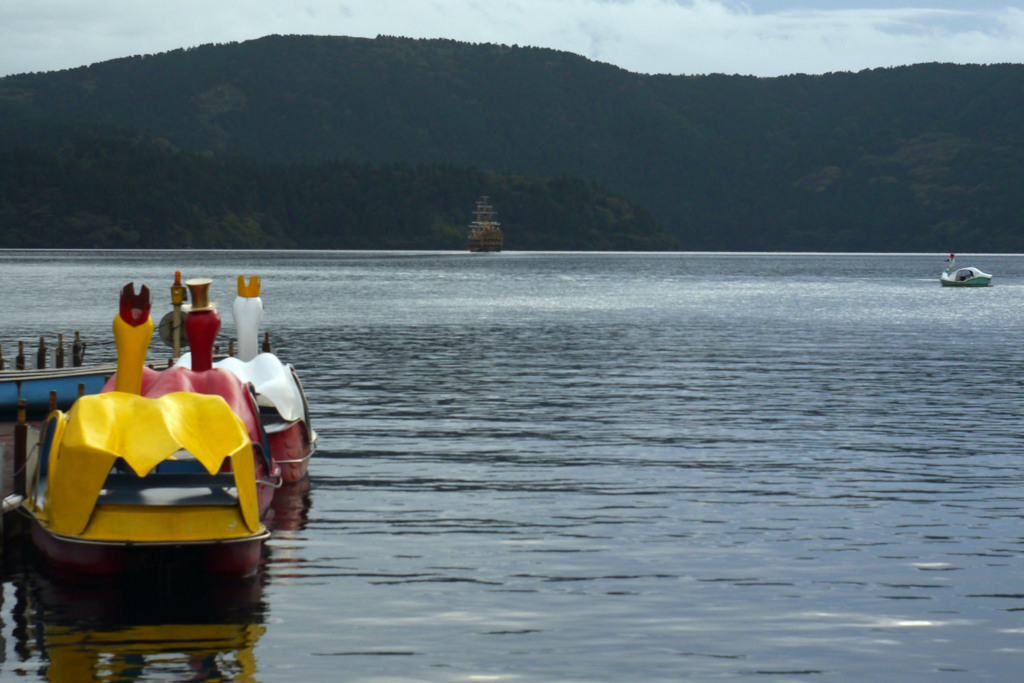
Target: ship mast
{"type": "Point", "coordinates": [484, 214]}
{"type": "Point", "coordinates": [484, 231]}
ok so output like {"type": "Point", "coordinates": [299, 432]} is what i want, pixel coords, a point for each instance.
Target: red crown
{"type": "Point", "coordinates": [135, 307]}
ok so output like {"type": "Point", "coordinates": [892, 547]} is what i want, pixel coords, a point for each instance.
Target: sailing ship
{"type": "Point", "coordinates": [485, 232]}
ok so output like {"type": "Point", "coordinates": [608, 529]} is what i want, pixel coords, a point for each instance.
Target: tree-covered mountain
{"type": "Point", "coordinates": [927, 157]}
{"type": "Point", "coordinates": [91, 192]}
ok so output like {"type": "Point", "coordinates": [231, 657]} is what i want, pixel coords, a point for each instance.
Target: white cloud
{"type": "Point", "coordinates": [760, 37]}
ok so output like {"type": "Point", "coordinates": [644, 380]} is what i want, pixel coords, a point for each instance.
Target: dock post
{"type": "Point", "coordinates": [179, 295]}
{"type": "Point", "coordinates": [77, 351]}
{"type": "Point", "coordinates": [19, 360]}
{"type": "Point", "coordinates": [266, 342]}
{"type": "Point", "coordinates": [1, 358]}
{"type": "Point", "coordinates": [20, 448]}
{"type": "Point", "coordinates": [53, 400]}
{"type": "Point", "coordinates": [41, 354]}
{"type": "Point", "coordinates": [59, 357]}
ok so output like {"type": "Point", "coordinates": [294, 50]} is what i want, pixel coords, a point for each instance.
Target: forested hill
{"type": "Point", "coordinates": [921, 158]}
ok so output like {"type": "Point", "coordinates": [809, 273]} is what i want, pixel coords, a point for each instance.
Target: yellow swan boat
{"type": "Point", "coordinates": [122, 482]}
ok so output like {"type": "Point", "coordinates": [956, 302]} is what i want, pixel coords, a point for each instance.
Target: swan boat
{"type": "Point", "coordinates": [283, 408]}
{"type": "Point", "coordinates": [129, 481]}
{"type": "Point", "coordinates": [963, 277]}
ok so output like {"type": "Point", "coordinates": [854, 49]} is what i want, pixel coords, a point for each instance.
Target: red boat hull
{"type": "Point", "coordinates": [82, 559]}
{"type": "Point", "coordinates": [265, 489]}
{"type": "Point", "coordinates": [291, 450]}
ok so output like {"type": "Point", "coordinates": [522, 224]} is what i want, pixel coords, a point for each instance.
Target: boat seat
{"type": "Point", "coordinates": [191, 466]}
{"type": "Point", "coordinates": [272, 420]}
{"type": "Point", "coordinates": [165, 488]}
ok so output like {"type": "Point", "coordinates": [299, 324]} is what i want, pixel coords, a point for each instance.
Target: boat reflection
{"type": "Point", "coordinates": [289, 510]}
{"type": "Point", "coordinates": [163, 626]}
{"type": "Point", "coordinates": [199, 652]}
{"type": "Point", "coordinates": [163, 629]}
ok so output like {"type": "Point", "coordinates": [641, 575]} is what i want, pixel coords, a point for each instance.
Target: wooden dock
{"type": "Point", "coordinates": [7, 447]}
{"type": "Point", "coordinates": [16, 440]}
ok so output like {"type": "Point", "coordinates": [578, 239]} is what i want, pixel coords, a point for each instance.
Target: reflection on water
{"type": "Point", "coordinates": [289, 510]}
{"type": "Point", "coordinates": [140, 627]}
{"type": "Point", "coordinates": [195, 652]}
{"type": "Point", "coordinates": [599, 467]}
{"type": "Point", "coordinates": [135, 630]}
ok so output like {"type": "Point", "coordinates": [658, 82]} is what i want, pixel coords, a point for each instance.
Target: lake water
{"type": "Point", "coordinates": [586, 467]}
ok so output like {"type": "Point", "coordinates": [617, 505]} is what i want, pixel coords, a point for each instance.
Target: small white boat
{"type": "Point", "coordinates": [963, 277]}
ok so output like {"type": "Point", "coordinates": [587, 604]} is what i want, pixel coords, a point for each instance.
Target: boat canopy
{"type": "Point", "coordinates": [967, 273]}
{"type": "Point", "coordinates": [143, 432]}
{"type": "Point", "coordinates": [274, 381]}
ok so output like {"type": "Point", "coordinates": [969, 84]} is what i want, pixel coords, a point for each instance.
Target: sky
{"type": "Point", "coordinates": [692, 37]}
